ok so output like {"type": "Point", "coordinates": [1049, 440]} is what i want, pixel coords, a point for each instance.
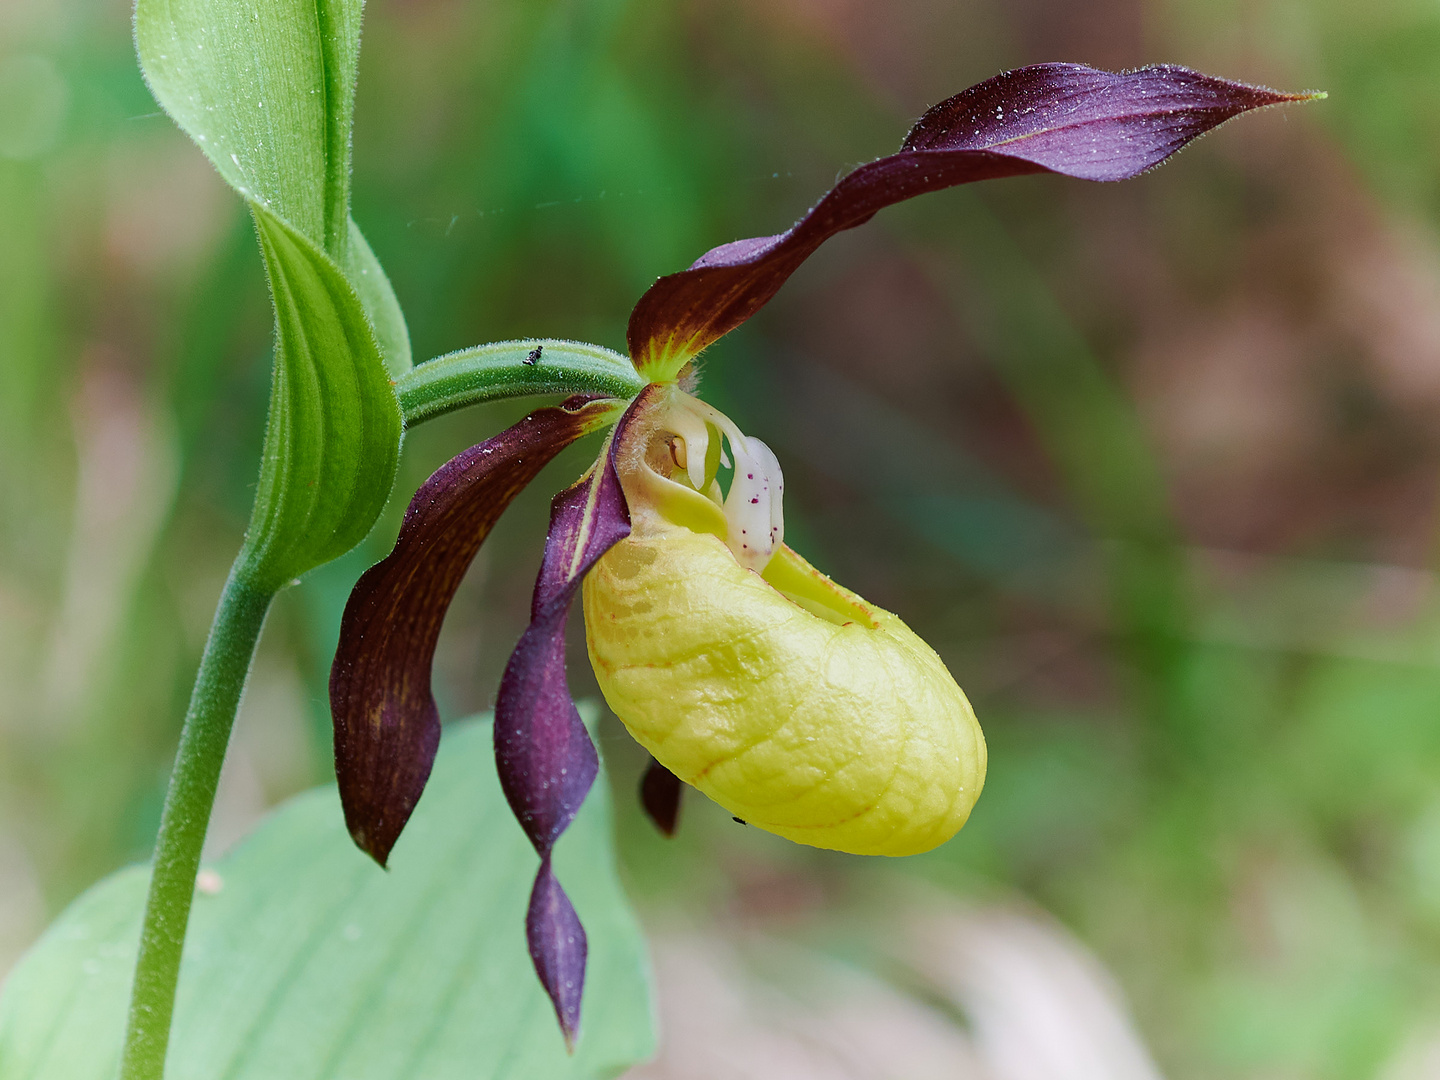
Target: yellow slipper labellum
{"type": "Point", "coordinates": [780, 694]}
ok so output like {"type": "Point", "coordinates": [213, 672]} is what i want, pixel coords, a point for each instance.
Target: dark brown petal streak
{"type": "Point", "coordinates": [386, 724]}
{"type": "Point", "coordinates": [542, 750]}
{"type": "Point", "coordinates": [660, 792]}
{"type": "Point", "coordinates": [1061, 118]}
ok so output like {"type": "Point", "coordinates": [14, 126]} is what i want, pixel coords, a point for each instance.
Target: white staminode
{"type": "Point", "coordinates": [754, 508]}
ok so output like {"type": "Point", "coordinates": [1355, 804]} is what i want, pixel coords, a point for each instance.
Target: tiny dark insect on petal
{"type": "Point", "coordinates": [533, 357]}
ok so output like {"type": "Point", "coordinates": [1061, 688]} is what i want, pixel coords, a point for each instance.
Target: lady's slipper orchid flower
{"type": "Point", "coordinates": [747, 673]}
{"type": "Point", "coordinates": [789, 700]}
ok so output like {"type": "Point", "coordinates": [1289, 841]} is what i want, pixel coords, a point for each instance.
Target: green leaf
{"type": "Point", "coordinates": [333, 440]}
{"type": "Point", "coordinates": [312, 962]}
{"type": "Point", "coordinates": [381, 304]}
{"type": "Point", "coordinates": [266, 88]}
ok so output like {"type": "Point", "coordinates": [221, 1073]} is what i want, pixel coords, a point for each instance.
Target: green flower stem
{"type": "Point", "coordinates": [507, 369]}
{"type": "Point", "coordinates": [213, 704]}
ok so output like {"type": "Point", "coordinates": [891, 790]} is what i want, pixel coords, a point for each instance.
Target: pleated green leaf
{"type": "Point", "coordinates": [333, 439]}
{"type": "Point", "coordinates": [311, 962]}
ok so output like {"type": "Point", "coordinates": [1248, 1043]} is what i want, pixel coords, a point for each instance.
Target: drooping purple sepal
{"type": "Point", "coordinates": [544, 754]}
{"type": "Point", "coordinates": [660, 792]}
{"type": "Point", "coordinates": [558, 948]}
{"type": "Point", "coordinates": [387, 728]}
{"type": "Point", "coordinates": [1060, 118]}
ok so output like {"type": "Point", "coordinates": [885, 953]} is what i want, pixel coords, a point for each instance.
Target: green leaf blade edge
{"type": "Point", "coordinates": [387, 319]}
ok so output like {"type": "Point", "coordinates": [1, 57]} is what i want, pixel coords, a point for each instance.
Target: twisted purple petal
{"type": "Point", "coordinates": [386, 725]}
{"type": "Point", "coordinates": [542, 750]}
{"type": "Point", "coordinates": [1060, 118]}
{"type": "Point", "coordinates": [546, 760]}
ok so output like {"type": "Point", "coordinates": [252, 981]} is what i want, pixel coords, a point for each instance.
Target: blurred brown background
{"type": "Point", "coordinates": [1152, 465]}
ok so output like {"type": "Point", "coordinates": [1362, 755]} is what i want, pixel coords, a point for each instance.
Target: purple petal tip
{"type": "Point", "coordinates": [379, 852]}
{"type": "Point", "coordinates": [558, 949]}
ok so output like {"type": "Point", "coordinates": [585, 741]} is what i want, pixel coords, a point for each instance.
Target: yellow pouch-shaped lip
{"type": "Point", "coordinates": [784, 697]}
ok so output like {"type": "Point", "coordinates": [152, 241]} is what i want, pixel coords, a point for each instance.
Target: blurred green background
{"type": "Point", "coordinates": [1153, 466]}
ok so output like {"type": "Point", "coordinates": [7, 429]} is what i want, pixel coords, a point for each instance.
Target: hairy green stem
{"type": "Point", "coordinates": [214, 701]}
{"type": "Point", "coordinates": [507, 369]}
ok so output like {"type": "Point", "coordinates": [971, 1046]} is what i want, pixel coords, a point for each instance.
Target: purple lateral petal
{"type": "Point", "coordinates": [1061, 118]}
{"type": "Point", "coordinates": [558, 949]}
{"type": "Point", "coordinates": [543, 753]}
{"type": "Point", "coordinates": [546, 760]}
{"type": "Point", "coordinates": [660, 791]}
{"type": "Point", "coordinates": [386, 725]}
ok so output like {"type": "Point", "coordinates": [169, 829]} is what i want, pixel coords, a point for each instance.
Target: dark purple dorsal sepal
{"type": "Point", "coordinates": [543, 753]}
{"type": "Point", "coordinates": [387, 728]}
{"type": "Point", "coordinates": [660, 792]}
{"type": "Point", "coordinates": [1060, 118]}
